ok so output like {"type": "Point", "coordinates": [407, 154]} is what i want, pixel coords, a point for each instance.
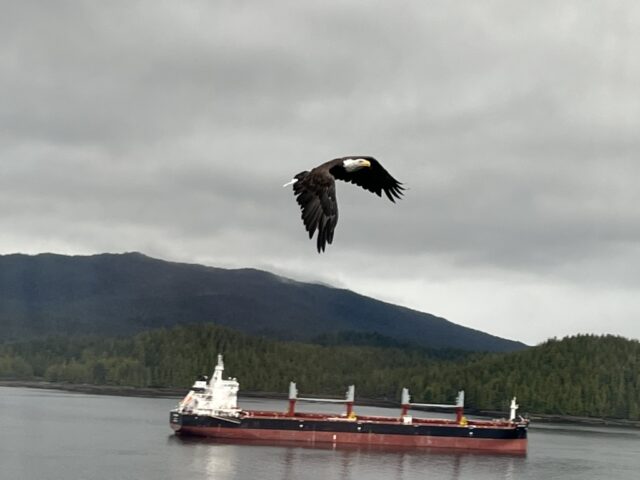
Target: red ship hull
{"type": "Point", "coordinates": [495, 445]}
{"type": "Point", "coordinates": [499, 437]}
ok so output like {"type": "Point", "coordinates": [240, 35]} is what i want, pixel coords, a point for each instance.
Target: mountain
{"type": "Point", "coordinates": [122, 294]}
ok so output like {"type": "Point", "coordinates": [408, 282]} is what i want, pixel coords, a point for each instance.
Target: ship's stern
{"type": "Point", "coordinates": [175, 420]}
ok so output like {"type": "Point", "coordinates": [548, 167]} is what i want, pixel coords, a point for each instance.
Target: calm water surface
{"type": "Point", "coordinates": [55, 435]}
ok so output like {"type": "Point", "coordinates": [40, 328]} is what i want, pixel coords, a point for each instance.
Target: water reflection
{"type": "Point", "coordinates": [240, 459]}
{"type": "Point", "coordinates": [288, 462]}
{"type": "Point", "coordinates": [631, 433]}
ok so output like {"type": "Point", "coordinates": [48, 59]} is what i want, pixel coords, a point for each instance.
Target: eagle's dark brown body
{"type": "Point", "coordinates": [315, 191]}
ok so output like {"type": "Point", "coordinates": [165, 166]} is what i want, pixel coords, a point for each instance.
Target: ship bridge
{"type": "Point", "coordinates": [217, 397]}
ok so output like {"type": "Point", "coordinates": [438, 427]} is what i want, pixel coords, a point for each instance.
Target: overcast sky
{"type": "Point", "coordinates": [169, 128]}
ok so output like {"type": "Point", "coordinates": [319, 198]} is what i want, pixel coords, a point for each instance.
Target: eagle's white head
{"type": "Point", "coordinates": [353, 164]}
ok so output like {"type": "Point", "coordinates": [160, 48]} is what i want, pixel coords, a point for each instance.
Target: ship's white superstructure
{"type": "Point", "coordinates": [217, 397]}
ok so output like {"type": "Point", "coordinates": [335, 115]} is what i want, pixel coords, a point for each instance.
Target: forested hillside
{"type": "Point", "coordinates": [123, 294]}
{"type": "Point", "coordinates": [583, 375]}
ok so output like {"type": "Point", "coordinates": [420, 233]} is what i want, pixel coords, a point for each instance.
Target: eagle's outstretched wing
{"type": "Point", "coordinates": [316, 195]}
{"type": "Point", "coordinates": [375, 178]}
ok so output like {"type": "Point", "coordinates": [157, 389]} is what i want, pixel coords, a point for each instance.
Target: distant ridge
{"type": "Point", "coordinates": [122, 294]}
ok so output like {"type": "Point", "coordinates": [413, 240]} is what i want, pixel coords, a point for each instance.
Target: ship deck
{"type": "Point", "coordinates": [375, 419]}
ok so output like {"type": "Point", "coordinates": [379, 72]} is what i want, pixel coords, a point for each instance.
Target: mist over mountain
{"type": "Point", "coordinates": [122, 294]}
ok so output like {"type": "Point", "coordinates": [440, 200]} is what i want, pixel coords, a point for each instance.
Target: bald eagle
{"type": "Point", "coordinates": [315, 191]}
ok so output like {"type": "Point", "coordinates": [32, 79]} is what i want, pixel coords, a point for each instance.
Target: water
{"type": "Point", "coordinates": [55, 435]}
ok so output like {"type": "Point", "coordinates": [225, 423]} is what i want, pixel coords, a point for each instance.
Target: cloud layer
{"type": "Point", "coordinates": [170, 128]}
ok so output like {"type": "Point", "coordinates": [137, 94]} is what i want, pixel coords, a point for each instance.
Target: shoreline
{"type": "Point", "coordinates": [177, 393]}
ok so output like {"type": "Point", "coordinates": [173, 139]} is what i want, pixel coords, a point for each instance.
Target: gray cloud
{"type": "Point", "coordinates": [169, 128]}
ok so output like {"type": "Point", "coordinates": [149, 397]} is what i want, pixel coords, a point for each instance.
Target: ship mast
{"type": "Point", "coordinates": [348, 401]}
{"type": "Point", "coordinates": [458, 406]}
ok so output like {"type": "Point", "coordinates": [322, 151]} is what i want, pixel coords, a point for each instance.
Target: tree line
{"type": "Point", "coordinates": [583, 375]}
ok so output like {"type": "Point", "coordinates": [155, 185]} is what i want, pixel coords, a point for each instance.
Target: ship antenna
{"type": "Point", "coordinates": [514, 408]}
{"type": "Point", "coordinates": [217, 373]}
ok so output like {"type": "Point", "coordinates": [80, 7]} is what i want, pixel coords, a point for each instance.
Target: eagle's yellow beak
{"type": "Point", "coordinates": [365, 163]}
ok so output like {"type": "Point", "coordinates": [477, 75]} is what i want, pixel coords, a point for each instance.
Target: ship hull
{"type": "Point", "coordinates": [506, 438]}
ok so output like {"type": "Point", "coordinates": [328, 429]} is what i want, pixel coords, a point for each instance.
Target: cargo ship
{"type": "Point", "coordinates": [210, 409]}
